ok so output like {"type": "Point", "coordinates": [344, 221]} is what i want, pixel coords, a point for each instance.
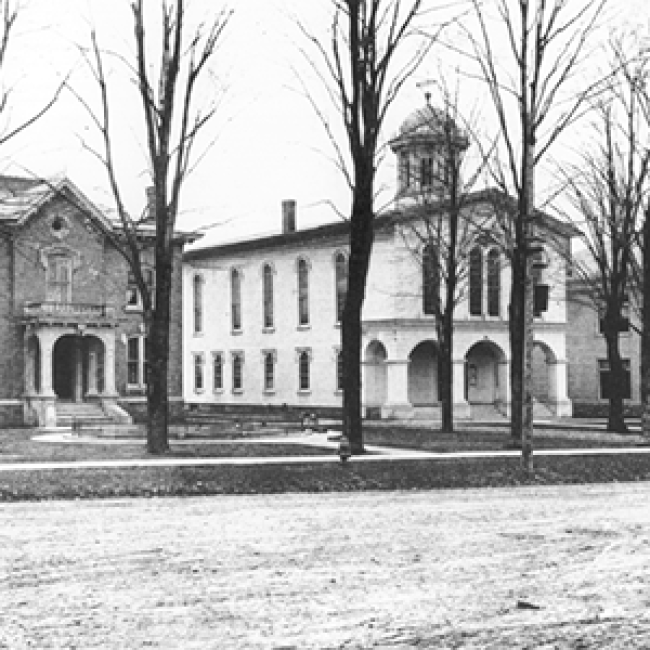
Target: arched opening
{"type": "Point", "coordinates": [375, 374]}
{"type": "Point", "coordinates": [423, 374]}
{"type": "Point", "coordinates": [64, 367]}
{"type": "Point", "coordinates": [485, 382]}
{"type": "Point", "coordinates": [77, 367]}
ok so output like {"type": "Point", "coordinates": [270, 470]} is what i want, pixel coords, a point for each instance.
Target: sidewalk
{"type": "Point", "coordinates": [376, 454]}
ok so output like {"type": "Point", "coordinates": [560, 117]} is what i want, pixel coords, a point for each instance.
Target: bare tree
{"type": "Point", "coordinates": [172, 125]}
{"type": "Point", "coordinates": [608, 190]}
{"type": "Point", "coordinates": [358, 74]}
{"type": "Point", "coordinates": [546, 41]}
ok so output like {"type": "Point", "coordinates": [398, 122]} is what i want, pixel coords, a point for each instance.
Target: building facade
{"type": "Point", "coordinates": [71, 325]}
{"type": "Point", "coordinates": [262, 316]}
{"type": "Point", "coordinates": [587, 356]}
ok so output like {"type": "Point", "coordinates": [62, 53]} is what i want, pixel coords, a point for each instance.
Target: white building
{"type": "Point", "coordinates": [261, 320]}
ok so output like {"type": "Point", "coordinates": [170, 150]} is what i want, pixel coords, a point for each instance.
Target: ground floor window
{"type": "Point", "coordinates": [269, 371]}
{"type": "Point", "coordinates": [339, 371]}
{"type": "Point", "coordinates": [304, 362]}
{"type": "Point", "coordinates": [136, 361]}
{"type": "Point", "coordinates": [199, 363]}
{"type": "Point", "coordinates": [217, 371]}
{"type": "Point", "coordinates": [237, 372]}
{"type": "Point", "coordinates": [606, 379]}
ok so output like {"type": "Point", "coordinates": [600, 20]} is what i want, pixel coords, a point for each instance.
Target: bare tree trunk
{"type": "Point", "coordinates": [645, 333]}
{"type": "Point", "coordinates": [158, 362]}
{"type": "Point", "coordinates": [361, 241]}
{"type": "Point", "coordinates": [157, 387]}
{"type": "Point", "coordinates": [616, 416]}
{"type": "Point", "coordinates": [516, 320]}
{"type": "Point", "coordinates": [446, 370]}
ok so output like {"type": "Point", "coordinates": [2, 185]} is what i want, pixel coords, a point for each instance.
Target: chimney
{"type": "Point", "coordinates": [150, 209]}
{"type": "Point", "coordinates": [288, 216]}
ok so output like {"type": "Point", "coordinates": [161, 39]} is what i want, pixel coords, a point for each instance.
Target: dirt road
{"type": "Point", "coordinates": [553, 567]}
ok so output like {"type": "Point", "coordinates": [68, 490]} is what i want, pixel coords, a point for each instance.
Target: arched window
{"type": "Point", "coordinates": [303, 292]}
{"type": "Point", "coordinates": [198, 303]}
{"type": "Point", "coordinates": [430, 279]}
{"type": "Point", "coordinates": [493, 282]}
{"type": "Point", "coordinates": [267, 295]}
{"type": "Point", "coordinates": [59, 278]}
{"type": "Point", "coordinates": [426, 172]}
{"type": "Point", "coordinates": [341, 272]}
{"type": "Point", "coordinates": [303, 370]}
{"type": "Point", "coordinates": [476, 282]}
{"type": "Point", "coordinates": [235, 297]}
{"type": "Point", "coordinates": [404, 171]}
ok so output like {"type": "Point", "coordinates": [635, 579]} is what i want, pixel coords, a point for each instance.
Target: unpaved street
{"type": "Point", "coordinates": [373, 570]}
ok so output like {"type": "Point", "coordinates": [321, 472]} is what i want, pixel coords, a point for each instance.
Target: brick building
{"type": "Point", "coordinates": [71, 328]}
{"type": "Point", "coordinates": [262, 316]}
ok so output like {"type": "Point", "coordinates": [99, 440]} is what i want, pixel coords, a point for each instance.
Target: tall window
{"type": "Point", "coordinates": [267, 297]}
{"type": "Point", "coordinates": [237, 371]}
{"type": "Point", "coordinates": [235, 299]}
{"type": "Point", "coordinates": [339, 371]}
{"type": "Point", "coordinates": [606, 380]}
{"type": "Point", "coordinates": [476, 282]}
{"type": "Point", "coordinates": [430, 279]}
{"type": "Point", "coordinates": [426, 172]}
{"type": "Point", "coordinates": [136, 361]}
{"type": "Point", "coordinates": [341, 280]}
{"type": "Point", "coordinates": [303, 292]}
{"type": "Point", "coordinates": [493, 282]}
{"type": "Point", "coordinates": [303, 370]}
{"type": "Point", "coordinates": [404, 171]}
{"type": "Point", "coordinates": [269, 371]}
{"type": "Point", "coordinates": [198, 303]}
{"type": "Point", "coordinates": [199, 363]}
{"type": "Point", "coordinates": [217, 371]}
{"type": "Point", "coordinates": [59, 278]}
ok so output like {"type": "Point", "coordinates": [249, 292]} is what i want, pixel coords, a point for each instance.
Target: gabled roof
{"type": "Point", "coordinates": [383, 222]}
{"type": "Point", "coordinates": [20, 198]}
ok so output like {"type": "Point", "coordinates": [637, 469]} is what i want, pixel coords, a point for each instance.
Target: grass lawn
{"type": "Point", "coordinates": [311, 477]}
{"type": "Point", "coordinates": [19, 446]}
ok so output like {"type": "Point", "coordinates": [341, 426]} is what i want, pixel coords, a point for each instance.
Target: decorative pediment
{"type": "Point", "coordinates": [59, 250]}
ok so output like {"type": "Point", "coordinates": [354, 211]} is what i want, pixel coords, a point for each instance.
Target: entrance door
{"type": "Point", "coordinates": [63, 360]}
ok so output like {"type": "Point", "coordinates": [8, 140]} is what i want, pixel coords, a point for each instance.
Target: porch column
{"type": "Point", "coordinates": [46, 340]}
{"type": "Point", "coordinates": [461, 406]}
{"type": "Point", "coordinates": [30, 368]}
{"type": "Point", "coordinates": [109, 364]}
{"type": "Point", "coordinates": [503, 393]}
{"type": "Point", "coordinates": [397, 403]}
{"type": "Point", "coordinates": [557, 388]}
{"type": "Point", "coordinates": [78, 369]}
{"type": "Point", "coordinates": [44, 405]}
{"type": "Point", "coordinates": [92, 373]}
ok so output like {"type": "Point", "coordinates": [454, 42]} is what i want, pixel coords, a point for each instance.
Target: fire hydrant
{"type": "Point", "coordinates": [345, 451]}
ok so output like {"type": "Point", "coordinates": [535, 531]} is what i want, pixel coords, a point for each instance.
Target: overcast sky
{"type": "Point", "coordinates": [269, 145]}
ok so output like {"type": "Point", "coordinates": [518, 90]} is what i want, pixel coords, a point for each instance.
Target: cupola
{"type": "Point", "coordinates": [429, 145]}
